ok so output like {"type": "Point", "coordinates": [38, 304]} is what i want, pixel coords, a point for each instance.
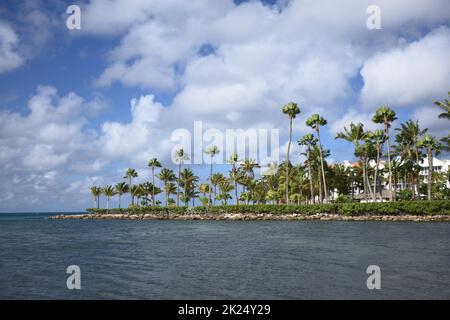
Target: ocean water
{"type": "Point", "coordinates": [222, 259]}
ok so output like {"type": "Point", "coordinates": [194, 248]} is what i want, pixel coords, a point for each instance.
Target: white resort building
{"type": "Point", "coordinates": [439, 166]}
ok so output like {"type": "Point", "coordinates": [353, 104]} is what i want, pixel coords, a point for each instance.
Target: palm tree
{"type": "Point", "coordinates": [166, 176]}
{"type": "Point", "coordinates": [407, 144]}
{"type": "Point", "coordinates": [138, 191]}
{"type": "Point", "coordinates": [315, 122]}
{"type": "Point", "coordinates": [445, 143]}
{"type": "Point", "coordinates": [378, 137]}
{"type": "Point", "coordinates": [444, 105]}
{"type": "Point", "coordinates": [153, 163]}
{"type": "Point", "coordinates": [130, 174]}
{"type": "Point", "coordinates": [248, 167]}
{"type": "Point", "coordinates": [188, 180]}
{"type": "Point", "coordinates": [225, 187]}
{"type": "Point", "coordinates": [356, 135]}
{"type": "Point", "coordinates": [96, 193]}
{"type": "Point", "coordinates": [211, 151]}
{"type": "Point", "coordinates": [215, 180]}
{"type": "Point", "coordinates": [180, 156]}
{"type": "Point", "coordinates": [309, 141]}
{"type": "Point", "coordinates": [121, 188]}
{"type": "Point", "coordinates": [431, 145]}
{"type": "Point", "coordinates": [204, 189]}
{"type": "Point", "coordinates": [234, 174]}
{"type": "Point", "coordinates": [170, 188]}
{"type": "Point", "coordinates": [108, 191]}
{"type": "Point", "coordinates": [386, 116]}
{"type": "Point", "coordinates": [291, 110]}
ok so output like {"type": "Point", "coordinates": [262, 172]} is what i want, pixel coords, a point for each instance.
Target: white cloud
{"type": "Point", "coordinates": [353, 116]}
{"type": "Point", "coordinates": [137, 140]}
{"type": "Point", "coordinates": [9, 56]}
{"type": "Point", "coordinates": [414, 73]}
{"type": "Point", "coordinates": [428, 117]}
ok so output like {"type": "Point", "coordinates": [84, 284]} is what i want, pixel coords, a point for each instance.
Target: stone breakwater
{"type": "Point", "coordinates": [253, 217]}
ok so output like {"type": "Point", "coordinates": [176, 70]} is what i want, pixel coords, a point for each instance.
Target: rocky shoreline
{"type": "Point", "coordinates": [254, 217]}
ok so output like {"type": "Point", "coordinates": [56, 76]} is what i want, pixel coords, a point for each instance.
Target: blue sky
{"type": "Point", "coordinates": [66, 95]}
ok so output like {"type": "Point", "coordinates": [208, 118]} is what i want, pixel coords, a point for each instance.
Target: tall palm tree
{"type": "Point", "coordinates": [355, 135]}
{"type": "Point", "coordinates": [96, 193]}
{"type": "Point", "coordinates": [378, 137]}
{"type": "Point", "coordinates": [130, 174]}
{"type": "Point", "coordinates": [167, 176]}
{"type": "Point", "coordinates": [108, 191]}
{"type": "Point", "coordinates": [309, 141]}
{"type": "Point", "coordinates": [408, 137]}
{"type": "Point", "coordinates": [180, 156]}
{"type": "Point", "coordinates": [234, 174]}
{"type": "Point", "coordinates": [121, 188]}
{"type": "Point", "coordinates": [153, 163]}
{"type": "Point", "coordinates": [386, 116]}
{"type": "Point", "coordinates": [431, 145]}
{"type": "Point", "coordinates": [444, 105]}
{"type": "Point", "coordinates": [211, 151]}
{"type": "Point", "coordinates": [315, 122]}
{"type": "Point", "coordinates": [291, 110]}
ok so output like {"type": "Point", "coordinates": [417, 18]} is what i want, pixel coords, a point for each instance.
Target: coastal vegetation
{"type": "Point", "coordinates": [417, 208]}
{"type": "Point", "coordinates": [311, 186]}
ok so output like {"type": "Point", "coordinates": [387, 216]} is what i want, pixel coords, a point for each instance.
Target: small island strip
{"type": "Point", "coordinates": [435, 210]}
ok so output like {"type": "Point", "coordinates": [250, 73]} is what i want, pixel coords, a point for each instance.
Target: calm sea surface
{"type": "Point", "coordinates": [221, 259]}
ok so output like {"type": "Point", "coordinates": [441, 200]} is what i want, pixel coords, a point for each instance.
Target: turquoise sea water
{"type": "Point", "coordinates": [221, 259]}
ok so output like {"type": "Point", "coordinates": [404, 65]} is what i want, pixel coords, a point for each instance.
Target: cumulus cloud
{"type": "Point", "coordinates": [42, 149]}
{"type": "Point", "coordinates": [9, 56]}
{"type": "Point", "coordinates": [139, 139]}
{"type": "Point", "coordinates": [353, 116]}
{"type": "Point", "coordinates": [428, 117]}
{"type": "Point", "coordinates": [414, 73]}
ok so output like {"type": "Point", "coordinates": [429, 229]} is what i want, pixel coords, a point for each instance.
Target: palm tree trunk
{"type": "Point", "coordinates": [210, 181]}
{"type": "Point", "coordinates": [366, 162]}
{"type": "Point", "coordinates": [376, 174]}
{"type": "Point", "coordinates": [119, 200]}
{"type": "Point", "coordinates": [311, 187]}
{"type": "Point", "coordinates": [320, 186]}
{"type": "Point", "coordinates": [418, 176]}
{"type": "Point", "coordinates": [178, 185]}
{"type": "Point", "coordinates": [131, 192]}
{"type": "Point", "coordinates": [107, 203]}
{"type": "Point", "coordinates": [430, 172]}
{"type": "Point", "coordinates": [153, 191]}
{"type": "Point", "coordinates": [321, 164]}
{"type": "Point", "coordinates": [235, 184]}
{"type": "Point", "coordinates": [391, 193]}
{"type": "Point", "coordinates": [363, 162]}
{"type": "Point", "coordinates": [287, 161]}
{"type": "Point", "coordinates": [167, 199]}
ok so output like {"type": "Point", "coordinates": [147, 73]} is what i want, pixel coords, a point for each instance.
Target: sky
{"type": "Point", "coordinates": [78, 107]}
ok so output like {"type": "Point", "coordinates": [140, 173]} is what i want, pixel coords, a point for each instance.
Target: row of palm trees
{"type": "Point", "coordinates": [308, 182]}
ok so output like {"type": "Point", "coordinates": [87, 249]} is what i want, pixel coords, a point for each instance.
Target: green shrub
{"type": "Point", "coordinates": [433, 207]}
